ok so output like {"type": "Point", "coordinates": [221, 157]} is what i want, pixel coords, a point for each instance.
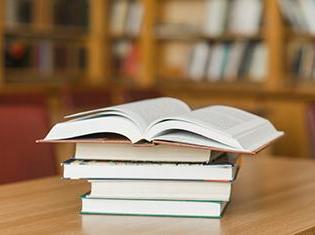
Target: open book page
{"type": "Point", "coordinates": [143, 113]}
{"type": "Point", "coordinates": [105, 124]}
{"type": "Point", "coordinates": [194, 139]}
{"type": "Point", "coordinates": [129, 120]}
{"type": "Point", "coordinates": [226, 125]}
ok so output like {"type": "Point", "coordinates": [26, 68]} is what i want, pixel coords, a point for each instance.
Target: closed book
{"type": "Point", "coordinates": [169, 208]}
{"type": "Point", "coordinates": [223, 169]}
{"type": "Point", "coordinates": [128, 152]}
{"type": "Point", "coordinates": [161, 189]}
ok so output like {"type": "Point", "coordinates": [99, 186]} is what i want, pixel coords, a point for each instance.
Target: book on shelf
{"type": "Point", "coordinates": [171, 121]}
{"type": "Point", "coordinates": [126, 58]}
{"type": "Point", "coordinates": [170, 208]}
{"type": "Point", "coordinates": [161, 189]}
{"type": "Point", "coordinates": [134, 18]}
{"type": "Point", "coordinates": [118, 16]}
{"type": "Point", "coordinates": [216, 17]}
{"type": "Point", "coordinates": [18, 12]}
{"type": "Point", "coordinates": [227, 61]}
{"type": "Point", "coordinates": [211, 18]}
{"type": "Point", "coordinates": [44, 56]}
{"type": "Point", "coordinates": [233, 65]}
{"type": "Point", "coordinates": [258, 68]}
{"type": "Point", "coordinates": [245, 17]}
{"type": "Point", "coordinates": [299, 14]}
{"type": "Point", "coordinates": [126, 17]}
{"type": "Point", "coordinates": [301, 60]}
{"type": "Point", "coordinates": [216, 62]}
{"type": "Point", "coordinates": [198, 61]}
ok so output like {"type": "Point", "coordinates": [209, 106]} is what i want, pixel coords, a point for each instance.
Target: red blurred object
{"type": "Point", "coordinates": [140, 94]}
{"type": "Point", "coordinates": [21, 157]}
{"type": "Point", "coordinates": [24, 98]}
{"type": "Point", "coordinates": [17, 50]}
{"type": "Point", "coordinates": [76, 99]}
{"type": "Point", "coordinates": [131, 63]}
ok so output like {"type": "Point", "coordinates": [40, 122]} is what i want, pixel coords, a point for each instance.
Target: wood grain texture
{"type": "Point", "coordinates": [271, 196]}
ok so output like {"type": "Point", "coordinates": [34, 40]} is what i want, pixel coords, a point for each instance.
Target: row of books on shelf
{"type": "Point", "coordinates": [219, 61]}
{"type": "Point", "coordinates": [173, 162]}
{"type": "Point", "coordinates": [241, 17]}
{"type": "Point", "coordinates": [302, 60]}
{"type": "Point", "coordinates": [237, 17]}
{"type": "Point", "coordinates": [201, 61]}
{"type": "Point", "coordinates": [44, 55]}
{"type": "Point", "coordinates": [65, 13]}
{"type": "Point", "coordinates": [126, 17]}
{"type": "Point", "coordinates": [299, 14]}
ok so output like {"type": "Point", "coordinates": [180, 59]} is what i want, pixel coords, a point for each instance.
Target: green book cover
{"type": "Point", "coordinates": [222, 205]}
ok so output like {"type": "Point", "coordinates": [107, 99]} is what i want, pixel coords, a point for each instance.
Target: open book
{"type": "Point", "coordinates": [171, 121]}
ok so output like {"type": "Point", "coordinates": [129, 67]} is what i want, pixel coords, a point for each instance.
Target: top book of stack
{"type": "Point", "coordinates": [169, 121]}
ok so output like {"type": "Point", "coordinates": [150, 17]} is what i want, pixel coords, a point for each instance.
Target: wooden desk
{"type": "Point", "coordinates": [271, 196]}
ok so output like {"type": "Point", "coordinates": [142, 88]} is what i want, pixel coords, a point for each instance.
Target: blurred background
{"type": "Point", "coordinates": [64, 56]}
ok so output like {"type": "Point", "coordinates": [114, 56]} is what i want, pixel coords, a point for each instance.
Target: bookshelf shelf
{"type": "Point", "coordinates": [300, 36]}
{"type": "Point", "coordinates": [206, 85]}
{"type": "Point", "coordinates": [202, 37]}
{"type": "Point", "coordinates": [231, 81]}
{"type": "Point", "coordinates": [51, 34]}
{"type": "Point", "coordinates": [123, 36]}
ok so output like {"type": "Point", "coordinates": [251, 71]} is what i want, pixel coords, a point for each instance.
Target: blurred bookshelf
{"type": "Point", "coordinates": [300, 34]}
{"type": "Point", "coordinates": [143, 42]}
{"type": "Point", "coordinates": [252, 54]}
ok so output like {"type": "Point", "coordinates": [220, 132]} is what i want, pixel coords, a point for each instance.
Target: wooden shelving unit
{"type": "Point", "coordinates": [99, 41]}
{"type": "Point", "coordinates": [41, 28]}
{"type": "Point", "coordinates": [281, 100]}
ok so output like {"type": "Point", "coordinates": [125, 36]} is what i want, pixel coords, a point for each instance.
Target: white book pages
{"type": "Point", "coordinates": [226, 125]}
{"type": "Point", "coordinates": [150, 119]}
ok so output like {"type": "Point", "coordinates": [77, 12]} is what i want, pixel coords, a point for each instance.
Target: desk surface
{"type": "Point", "coordinates": [270, 196]}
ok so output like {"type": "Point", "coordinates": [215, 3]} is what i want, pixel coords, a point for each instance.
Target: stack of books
{"type": "Point", "coordinates": [158, 158]}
